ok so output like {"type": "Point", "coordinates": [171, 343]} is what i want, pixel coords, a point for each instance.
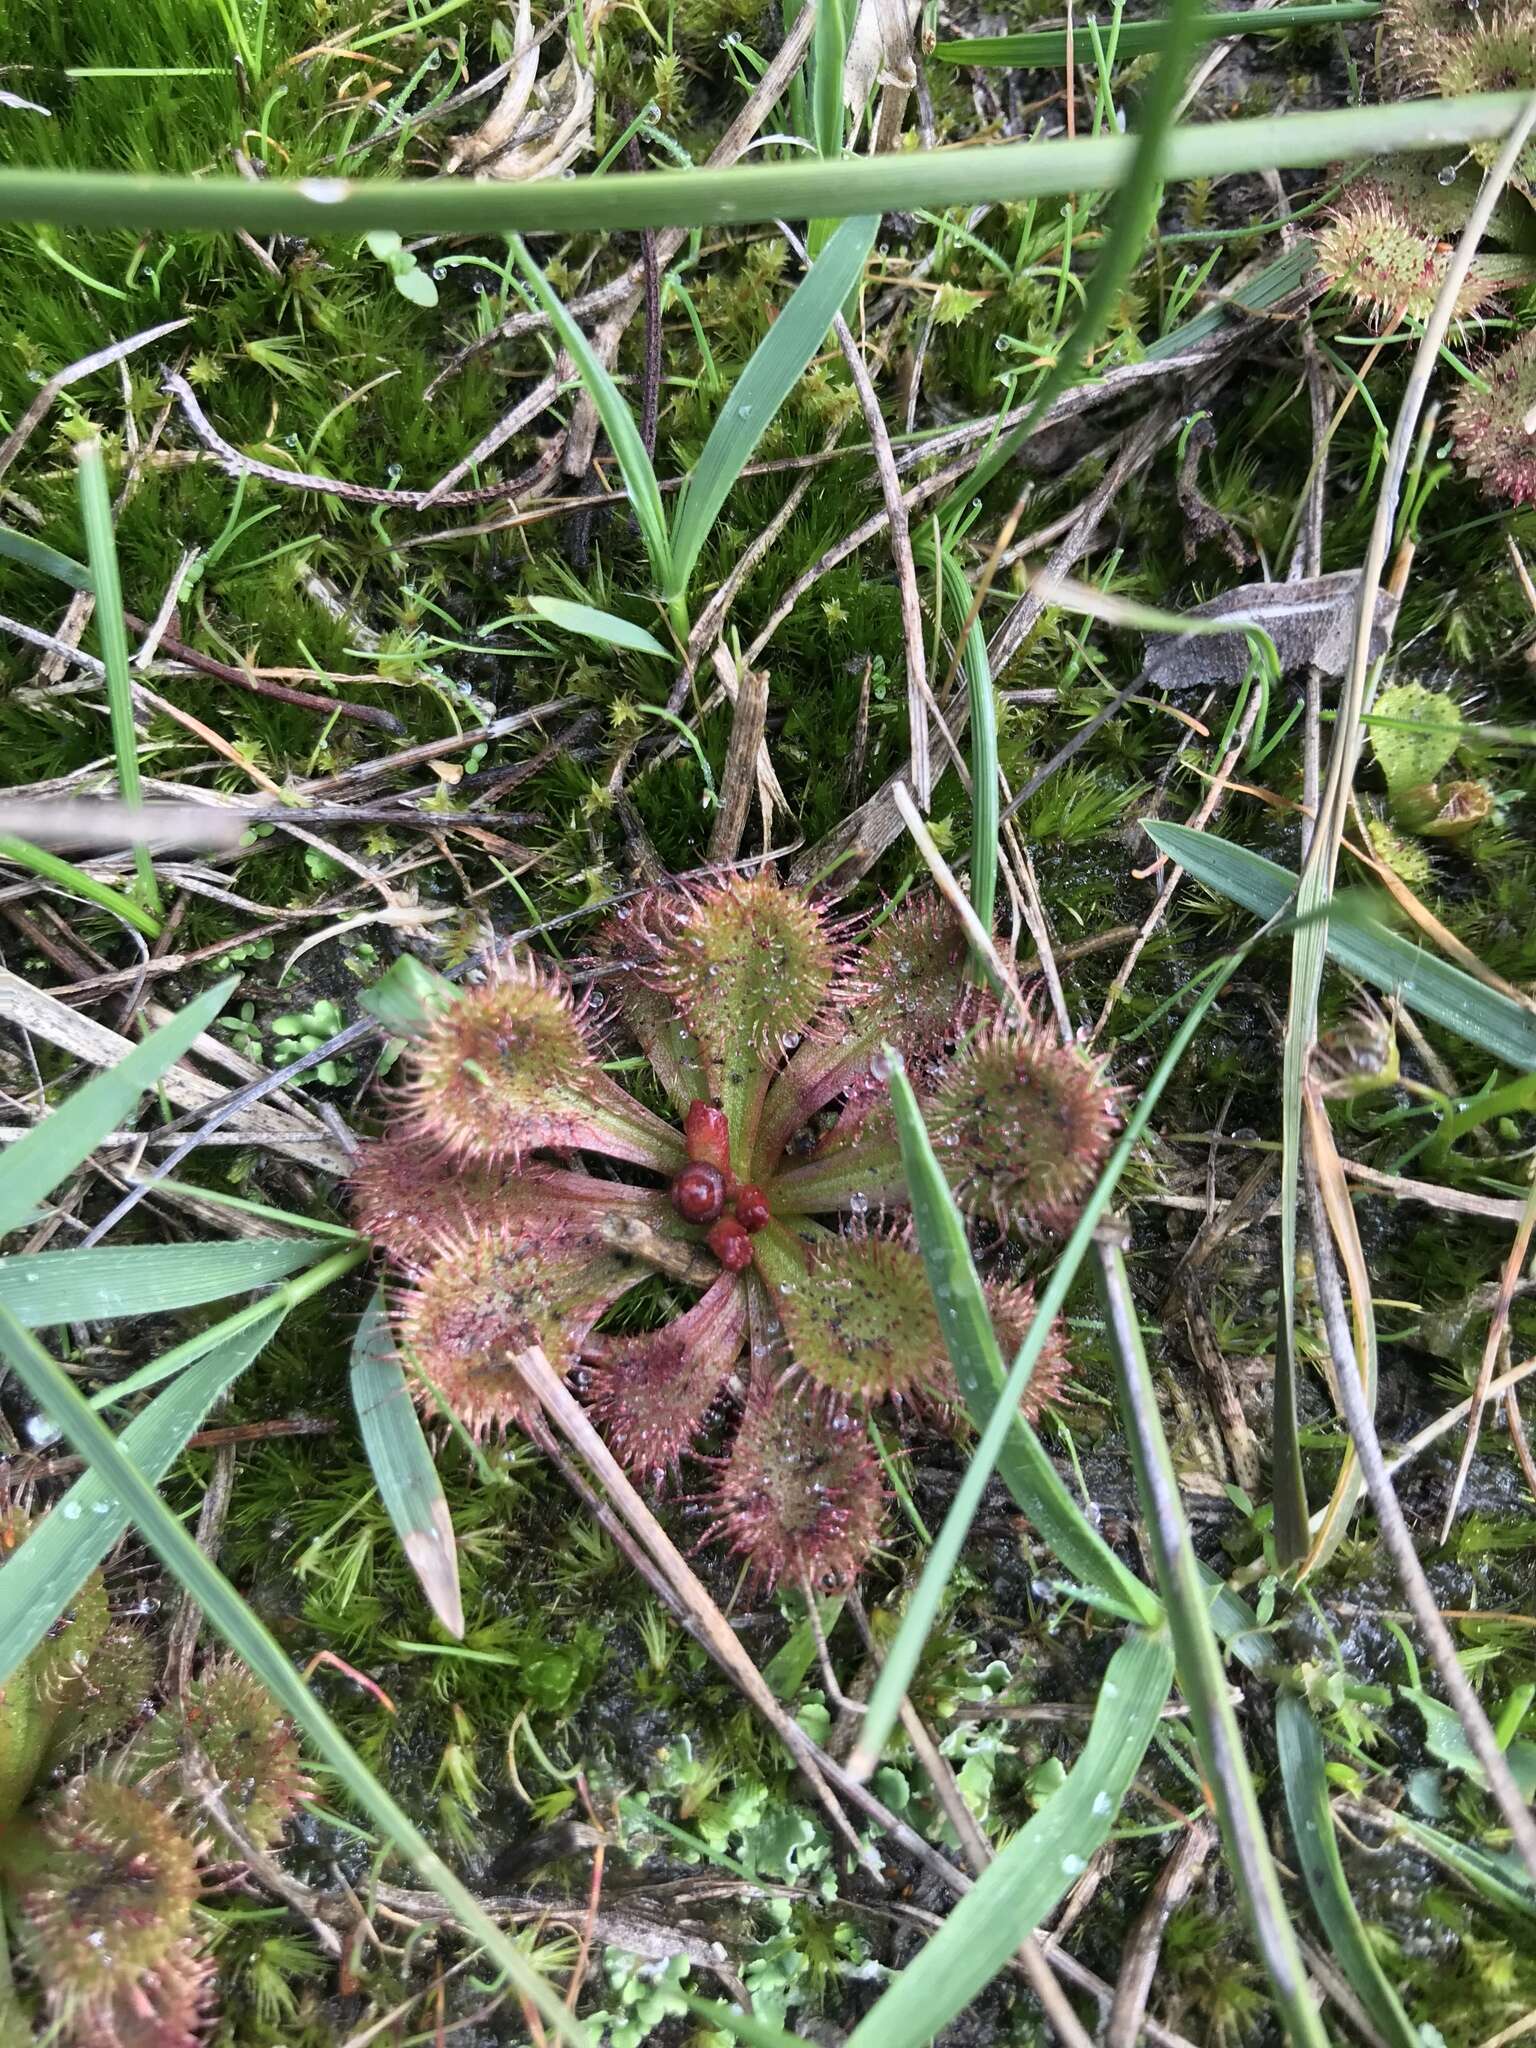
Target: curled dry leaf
{"type": "Point", "coordinates": [539, 127]}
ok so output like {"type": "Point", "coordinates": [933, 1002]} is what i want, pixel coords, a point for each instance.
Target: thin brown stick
{"type": "Point", "coordinates": [1138, 1965]}
{"type": "Point", "coordinates": [1397, 1540]}
{"type": "Point", "coordinates": [919, 698]}
{"type": "Point", "coordinates": [87, 366]}
{"type": "Point", "coordinates": [570, 1418]}
{"type": "Point", "coordinates": [1498, 1332]}
{"type": "Point", "coordinates": [181, 1643]}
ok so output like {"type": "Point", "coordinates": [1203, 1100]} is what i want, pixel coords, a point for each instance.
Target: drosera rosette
{"type": "Point", "coordinates": [775, 1199]}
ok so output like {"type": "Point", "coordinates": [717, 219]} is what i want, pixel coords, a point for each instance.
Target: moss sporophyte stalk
{"type": "Point", "coordinates": [774, 1191]}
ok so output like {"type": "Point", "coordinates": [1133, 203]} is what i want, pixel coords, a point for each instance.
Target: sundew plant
{"type": "Point", "coordinates": [767, 1024]}
{"type": "Point", "coordinates": [775, 1186]}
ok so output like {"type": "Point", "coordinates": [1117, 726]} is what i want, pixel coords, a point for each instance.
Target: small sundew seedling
{"type": "Point", "coordinates": [777, 1195]}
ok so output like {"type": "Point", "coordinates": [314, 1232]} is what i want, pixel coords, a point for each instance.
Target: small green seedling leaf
{"type": "Point", "coordinates": [593, 624]}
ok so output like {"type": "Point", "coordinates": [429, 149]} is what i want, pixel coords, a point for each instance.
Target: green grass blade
{"type": "Point", "coordinates": [229, 1616]}
{"type": "Point", "coordinates": [1300, 1748]}
{"type": "Point", "coordinates": [1275, 282]}
{"type": "Point", "coordinates": [402, 1465]}
{"type": "Point", "coordinates": [101, 551]}
{"type": "Point", "coordinates": [1040, 48]}
{"type": "Point", "coordinates": [65, 875]}
{"type": "Point", "coordinates": [1427, 985]}
{"type": "Point", "coordinates": [972, 1345]}
{"type": "Point", "coordinates": [60, 1554]}
{"type": "Point", "coordinates": [1131, 220]}
{"type": "Point", "coordinates": [1500, 1879]}
{"type": "Point", "coordinates": [613, 410]}
{"type": "Point", "coordinates": [776, 367]}
{"type": "Point", "coordinates": [37, 554]}
{"type": "Point", "coordinates": [744, 2027]}
{"type": "Point", "coordinates": [1002, 1421]}
{"type": "Point", "coordinates": [1048, 1854]}
{"type": "Point", "coordinates": [829, 50]}
{"type": "Point", "coordinates": [593, 624]}
{"type": "Point", "coordinates": [319, 207]}
{"type": "Point", "coordinates": [1201, 1677]}
{"type": "Point", "coordinates": [33, 1167]}
{"type": "Point", "coordinates": [143, 1279]}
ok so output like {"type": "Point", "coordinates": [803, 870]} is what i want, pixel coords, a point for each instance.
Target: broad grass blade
{"type": "Point", "coordinates": [33, 1167]}
{"type": "Point", "coordinates": [402, 1465]}
{"type": "Point", "coordinates": [1036, 49]}
{"type": "Point", "coordinates": [776, 367]}
{"type": "Point", "coordinates": [64, 1549]}
{"type": "Point", "coordinates": [593, 624]}
{"type": "Point", "coordinates": [248, 1636]}
{"type": "Point", "coordinates": [37, 554]}
{"type": "Point", "coordinates": [143, 1280]}
{"type": "Point", "coordinates": [1201, 1677]}
{"type": "Point", "coordinates": [618, 421]}
{"type": "Point", "coordinates": [1505, 1030]}
{"type": "Point", "coordinates": [1300, 1748]}
{"type": "Point", "coordinates": [1017, 1890]}
{"type": "Point", "coordinates": [101, 550]}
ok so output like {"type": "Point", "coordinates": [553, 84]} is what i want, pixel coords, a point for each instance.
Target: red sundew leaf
{"type": "Point", "coordinates": [917, 998]}
{"type": "Point", "coordinates": [857, 1312]}
{"type": "Point", "coordinates": [507, 1070]}
{"type": "Point", "coordinates": [541, 1279]}
{"type": "Point", "coordinates": [629, 942]}
{"type": "Point", "coordinates": [800, 1494]}
{"type": "Point", "coordinates": [166, 2007]}
{"type": "Point", "coordinates": [750, 967]}
{"type": "Point", "coordinates": [412, 1200]}
{"type": "Point", "coordinates": [1492, 423]}
{"type": "Point", "coordinates": [1012, 1304]}
{"type": "Point", "coordinates": [650, 1394]}
{"type": "Point", "coordinates": [1021, 1127]}
{"type": "Point", "coordinates": [112, 1893]}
